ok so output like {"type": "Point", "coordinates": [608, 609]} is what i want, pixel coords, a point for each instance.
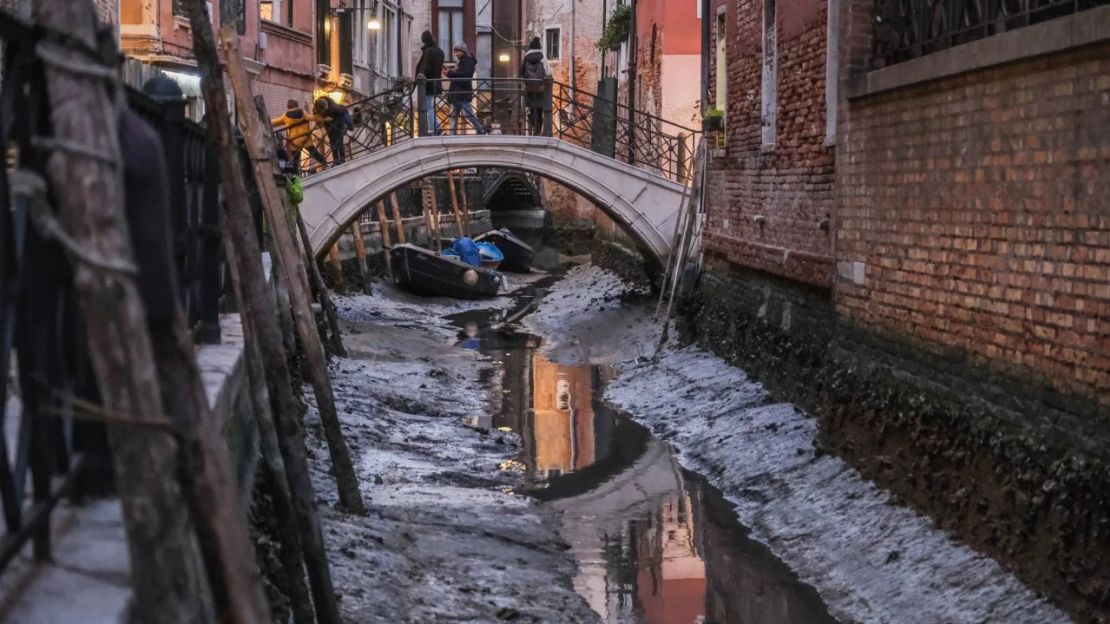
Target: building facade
{"type": "Point", "coordinates": [276, 39]}
{"type": "Point", "coordinates": [907, 235]}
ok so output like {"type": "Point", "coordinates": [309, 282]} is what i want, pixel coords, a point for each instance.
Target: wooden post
{"type": "Point", "coordinates": [256, 303]}
{"type": "Point", "coordinates": [360, 256]}
{"type": "Point", "coordinates": [336, 268]}
{"type": "Point", "coordinates": [433, 210]}
{"type": "Point", "coordinates": [397, 219]}
{"type": "Point", "coordinates": [455, 203]}
{"type": "Point", "coordinates": [158, 508]}
{"type": "Point", "coordinates": [159, 532]}
{"type": "Point", "coordinates": [465, 203]}
{"type": "Point", "coordinates": [318, 285]}
{"type": "Point", "coordinates": [259, 143]}
{"type": "Point", "coordinates": [383, 227]}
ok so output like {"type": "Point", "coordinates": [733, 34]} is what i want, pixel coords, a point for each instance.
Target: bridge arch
{"type": "Point", "coordinates": [644, 205]}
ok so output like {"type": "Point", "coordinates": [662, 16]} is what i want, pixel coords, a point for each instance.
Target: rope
{"type": "Point", "coordinates": [32, 188]}
{"type": "Point", "coordinates": [51, 144]}
{"type": "Point", "coordinates": [65, 62]}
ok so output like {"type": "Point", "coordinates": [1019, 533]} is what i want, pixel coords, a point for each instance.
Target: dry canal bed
{"type": "Point", "coordinates": [506, 484]}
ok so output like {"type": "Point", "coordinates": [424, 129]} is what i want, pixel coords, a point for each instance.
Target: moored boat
{"type": "Point", "coordinates": [426, 272]}
{"type": "Point", "coordinates": [518, 254]}
{"type": "Point", "coordinates": [490, 255]}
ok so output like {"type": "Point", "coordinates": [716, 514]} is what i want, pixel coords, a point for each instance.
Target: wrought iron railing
{"type": "Point", "coordinates": [503, 106]}
{"type": "Point", "coordinates": [908, 29]}
{"type": "Point", "coordinates": [193, 173]}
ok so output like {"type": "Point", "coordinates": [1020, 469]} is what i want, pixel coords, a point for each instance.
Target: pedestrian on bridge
{"type": "Point", "coordinates": [430, 67]}
{"type": "Point", "coordinates": [298, 134]}
{"type": "Point", "coordinates": [534, 71]}
{"type": "Point", "coordinates": [336, 120]}
{"type": "Point", "coordinates": [461, 91]}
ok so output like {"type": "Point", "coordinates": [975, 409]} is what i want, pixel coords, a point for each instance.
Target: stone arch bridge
{"type": "Point", "coordinates": [388, 151]}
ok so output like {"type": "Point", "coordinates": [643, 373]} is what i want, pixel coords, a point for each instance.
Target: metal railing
{"type": "Point", "coordinates": [193, 172]}
{"type": "Point", "coordinates": [908, 29]}
{"type": "Point", "coordinates": [501, 106]}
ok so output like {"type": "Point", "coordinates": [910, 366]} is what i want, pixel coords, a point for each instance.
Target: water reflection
{"type": "Point", "coordinates": [655, 544]}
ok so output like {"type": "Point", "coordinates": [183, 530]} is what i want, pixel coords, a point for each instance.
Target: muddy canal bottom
{"type": "Point", "coordinates": [654, 543]}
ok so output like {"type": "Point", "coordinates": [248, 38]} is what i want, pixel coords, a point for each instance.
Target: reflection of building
{"type": "Point", "coordinates": [563, 421]}
{"type": "Point", "coordinates": [670, 584]}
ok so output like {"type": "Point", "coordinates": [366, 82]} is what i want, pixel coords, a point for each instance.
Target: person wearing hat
{"type": "Point", "coordinates": [534, 71]}
{"type": "Point", "coordinates": [430, 66]}
{"type": "Point", "coordinates": [461, 91]}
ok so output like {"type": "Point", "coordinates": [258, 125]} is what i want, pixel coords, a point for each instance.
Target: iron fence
{"type": "Point", "coordinates": [908, 29]}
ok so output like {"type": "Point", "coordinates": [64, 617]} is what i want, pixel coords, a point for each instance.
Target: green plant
{"type": "Point", "coordinates": [617, 28]}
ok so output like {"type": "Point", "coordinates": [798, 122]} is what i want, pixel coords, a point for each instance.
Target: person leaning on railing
{"type": "Point", "coordinates": [336, 120]}
{"type": "Point", "coordinates": [298, 134]}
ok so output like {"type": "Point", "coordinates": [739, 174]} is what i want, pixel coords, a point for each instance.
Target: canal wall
{"type": "Point", "coordinates": [1014, 468]}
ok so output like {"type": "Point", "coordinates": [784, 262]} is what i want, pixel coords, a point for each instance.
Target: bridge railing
{"type": "Point", "coordinates": [501, 106]}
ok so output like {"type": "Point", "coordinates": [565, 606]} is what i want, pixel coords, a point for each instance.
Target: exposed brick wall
{"type": "Point", "coordinates": [977, 205]}
{"type": "Point", "coordinates": [770, 207]}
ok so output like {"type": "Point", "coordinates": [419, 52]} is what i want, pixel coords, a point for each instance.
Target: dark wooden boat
{"type": "Point", "coordinates": [428, 273]}
{"type": "Point", "coordinates": [518, 255]}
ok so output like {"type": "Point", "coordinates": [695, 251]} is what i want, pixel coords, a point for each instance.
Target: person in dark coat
{"type": "Point", "coordinates": [461, 91]}
{"type": "Point", "coordinates": [431, 67]}
{"type": "Point", "coordinates": [534, 71]}
{"type": "Point", "coordinates": [335, 119]}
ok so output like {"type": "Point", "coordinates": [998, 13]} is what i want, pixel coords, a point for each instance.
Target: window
{"type": "Point", "coordinates": [553, 43]}
{"type": "Point", "coordinates": [234, 13]}
{"type": "Point", "coordinates": [362, 34]}
{"type": "Point", "coordinates": [387, 42]}
{"type": "Point", "coordinates": [449, 20]}
{"type": "Point", "coordinates": [770, 90]}
{"type": "Point", "coordinates": [277, 11]}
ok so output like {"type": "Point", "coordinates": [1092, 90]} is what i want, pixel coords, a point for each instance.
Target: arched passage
{"type": "Point", "coordinates": [642, 204]}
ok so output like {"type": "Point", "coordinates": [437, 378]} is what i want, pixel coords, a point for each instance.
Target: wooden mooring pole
{"type": "Point", "coordinates": [455, 203]}
{"type": "Point", "coordinates": [256, 302]}
{"type": "Point", "coordinates": [259, 142]}
{"type": "Point", "coordinates": [383, 227]}
{"type": "Point", "coordinates": [401, 237]}
{"type": "Point", "coordinates": [360, 256]}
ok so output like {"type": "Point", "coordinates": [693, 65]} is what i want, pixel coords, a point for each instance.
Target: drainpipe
{"type": "Point", "coordinates": [633, 42]}
{"type": "Point", "coordinates": [604, 19]}
{"type": "Point", "coordinates": [573, 79]}
{"type": "Point", "coordinates": [705, 31]}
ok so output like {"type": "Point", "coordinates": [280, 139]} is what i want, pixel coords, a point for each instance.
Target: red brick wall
{"type": "Point", "coordinates": [977, 206]}
{"type": "Point", "coordinates": [769, 207]}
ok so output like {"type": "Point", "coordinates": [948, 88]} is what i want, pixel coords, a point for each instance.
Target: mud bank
{"type": "Point", "coordinates": [1012, 468]}
{"type": "Point", "coordinates": [444, 540]}
{"type": "Point", "coordinates": [871, 558]}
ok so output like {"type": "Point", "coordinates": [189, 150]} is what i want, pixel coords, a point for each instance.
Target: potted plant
{"type": "Point", "coordinates": [617, 28]}
{"type": "Point", "coordinates": [713, 120]}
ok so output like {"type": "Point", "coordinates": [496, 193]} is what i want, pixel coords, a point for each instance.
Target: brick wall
{"type": "Point", "coordinates": [770, 206]}
{"type": "Point", "coordinates": [973, 218]}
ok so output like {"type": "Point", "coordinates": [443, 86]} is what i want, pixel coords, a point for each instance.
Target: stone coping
{"type": "Point", "coordinates": [1057, 35]}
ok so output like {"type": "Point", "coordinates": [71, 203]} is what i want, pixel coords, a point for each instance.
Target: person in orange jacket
{"type": "Point", "coordinates": [298, 134]}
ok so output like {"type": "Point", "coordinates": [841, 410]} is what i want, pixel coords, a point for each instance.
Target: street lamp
{"type": "Point", "coordinates": [373, 23]}
{"type": "Point", "coordinates": [504, 57]}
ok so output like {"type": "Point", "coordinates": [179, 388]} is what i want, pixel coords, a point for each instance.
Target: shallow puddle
{"type": "Point", "coordinates": [655, 544]}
